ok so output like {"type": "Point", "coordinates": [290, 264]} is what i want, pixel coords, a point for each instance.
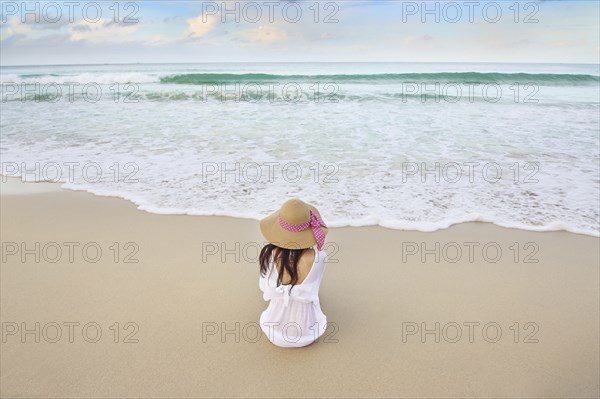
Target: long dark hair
{"type": "Point", "coordinates": [284, 259]}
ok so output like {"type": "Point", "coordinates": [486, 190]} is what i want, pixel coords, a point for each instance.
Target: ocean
{"type": "Point", "coordinates": [401, 145]}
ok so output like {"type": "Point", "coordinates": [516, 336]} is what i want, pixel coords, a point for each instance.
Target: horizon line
{"type": "Point", "coordinates": [303, 62]}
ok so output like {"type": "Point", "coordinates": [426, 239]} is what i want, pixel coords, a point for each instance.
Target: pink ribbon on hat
{"type": "Point", "coordinates": [315, 222]}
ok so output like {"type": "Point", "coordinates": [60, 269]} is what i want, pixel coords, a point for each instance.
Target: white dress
{"type": "Point", "coordinates": [293, 318]}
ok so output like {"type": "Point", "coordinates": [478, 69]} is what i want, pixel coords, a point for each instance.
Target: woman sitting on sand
{"type": "Point", "coordinates": [291, 273]}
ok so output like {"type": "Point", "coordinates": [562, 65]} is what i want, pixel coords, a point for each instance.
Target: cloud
{"type": "Point", "coordinates": [199, 26]}
{"type": "Point", "coordinates": [37, 21]}
{"type": "Point", "coordinates": [366, 31]}
{"type": "Point", "coordinates": [419, 42]}
{"type": "Point", "coordinates": [518, 43]}
{"type": "Point", "coordinates": [159, 39]}
{"type": "Point", "coordinates": [264, 34]}
{"type": "Point", "coordinates": [564, 43]}
{"type": "Point", "coordinates": [102, 31]}
{"type": "Point", "coordinates": [175, 18]}
{"type": "Point", "coordinates": [324, 36]}
{"type": "Point", "coordinates": [13, 38]}
{"type": "Point", "coordinates": [14, 28]}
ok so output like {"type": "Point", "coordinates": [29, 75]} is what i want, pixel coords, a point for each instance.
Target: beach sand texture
{"type": "Point", "coordinates": [181, 287]}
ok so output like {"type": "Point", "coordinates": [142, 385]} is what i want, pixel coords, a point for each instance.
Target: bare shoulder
{"type": "Point", "coordinates": [305, 263]}
{"type": "Point", "coordinates": [308, 257]}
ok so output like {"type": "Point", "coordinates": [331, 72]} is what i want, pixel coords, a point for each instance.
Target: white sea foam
{"type": "Point", "coordinates": [365, 152]}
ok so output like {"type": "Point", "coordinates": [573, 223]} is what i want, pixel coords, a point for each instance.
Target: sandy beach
{"type": "Point", "coordinates": [523, 323]}
{"type": "Point", "coordinates": [445, 156]}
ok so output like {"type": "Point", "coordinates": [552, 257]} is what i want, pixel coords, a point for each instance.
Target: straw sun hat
{"type": "Point", "coordinates": [297, 225]}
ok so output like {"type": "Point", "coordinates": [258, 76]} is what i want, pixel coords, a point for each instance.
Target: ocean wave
{"type": "Point", "coordinates": [302, 96]}
{"type": "Point", "coordinates": [390, 223]}
{"type": "Point", "coordinates": [386, 78]}
{"type": "Point", "coordinates": [246, 96]}
{"type": "Point", "coordinates": [370, 137]}
{"type": "Point", "coordinates": [78, 78]}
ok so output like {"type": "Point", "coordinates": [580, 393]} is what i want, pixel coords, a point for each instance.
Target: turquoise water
{"type": "Point", "coordinates": [411, 146]}
{"type": "Point", "coordinates": [385, 78]}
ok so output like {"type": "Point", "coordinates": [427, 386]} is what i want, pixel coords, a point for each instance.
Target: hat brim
{"type": "Point", "coordinates": [277, 235]}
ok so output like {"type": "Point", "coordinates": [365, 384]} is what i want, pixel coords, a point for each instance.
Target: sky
{"type": "Point", "coordinates": [105, 32]}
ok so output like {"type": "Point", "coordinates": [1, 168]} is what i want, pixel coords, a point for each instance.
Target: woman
{"type": "Point", "coordinates": [291, 273]}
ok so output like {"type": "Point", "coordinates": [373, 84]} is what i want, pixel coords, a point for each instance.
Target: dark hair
{"type": "Point", "coordinates": [283, 259]}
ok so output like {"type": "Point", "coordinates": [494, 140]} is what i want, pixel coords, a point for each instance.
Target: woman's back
{"type": "Point", "coordinates": [294, 317]}
{"type": "Point", "coordinates": [305, 264]}
{"type": "Point", "coordinates": [291, 273]}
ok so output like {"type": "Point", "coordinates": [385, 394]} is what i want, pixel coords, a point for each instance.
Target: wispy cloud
{"type": "Point", "coordinates": [102, 31]}
{"type": "Point", "coordinates": [365, 30]}
{"type": "Point", "coordinates": [264, 33]}
{"type": "Point", "coordinates": [202, 24]}
{"type": "Point", "coordinates": [419, 42]}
